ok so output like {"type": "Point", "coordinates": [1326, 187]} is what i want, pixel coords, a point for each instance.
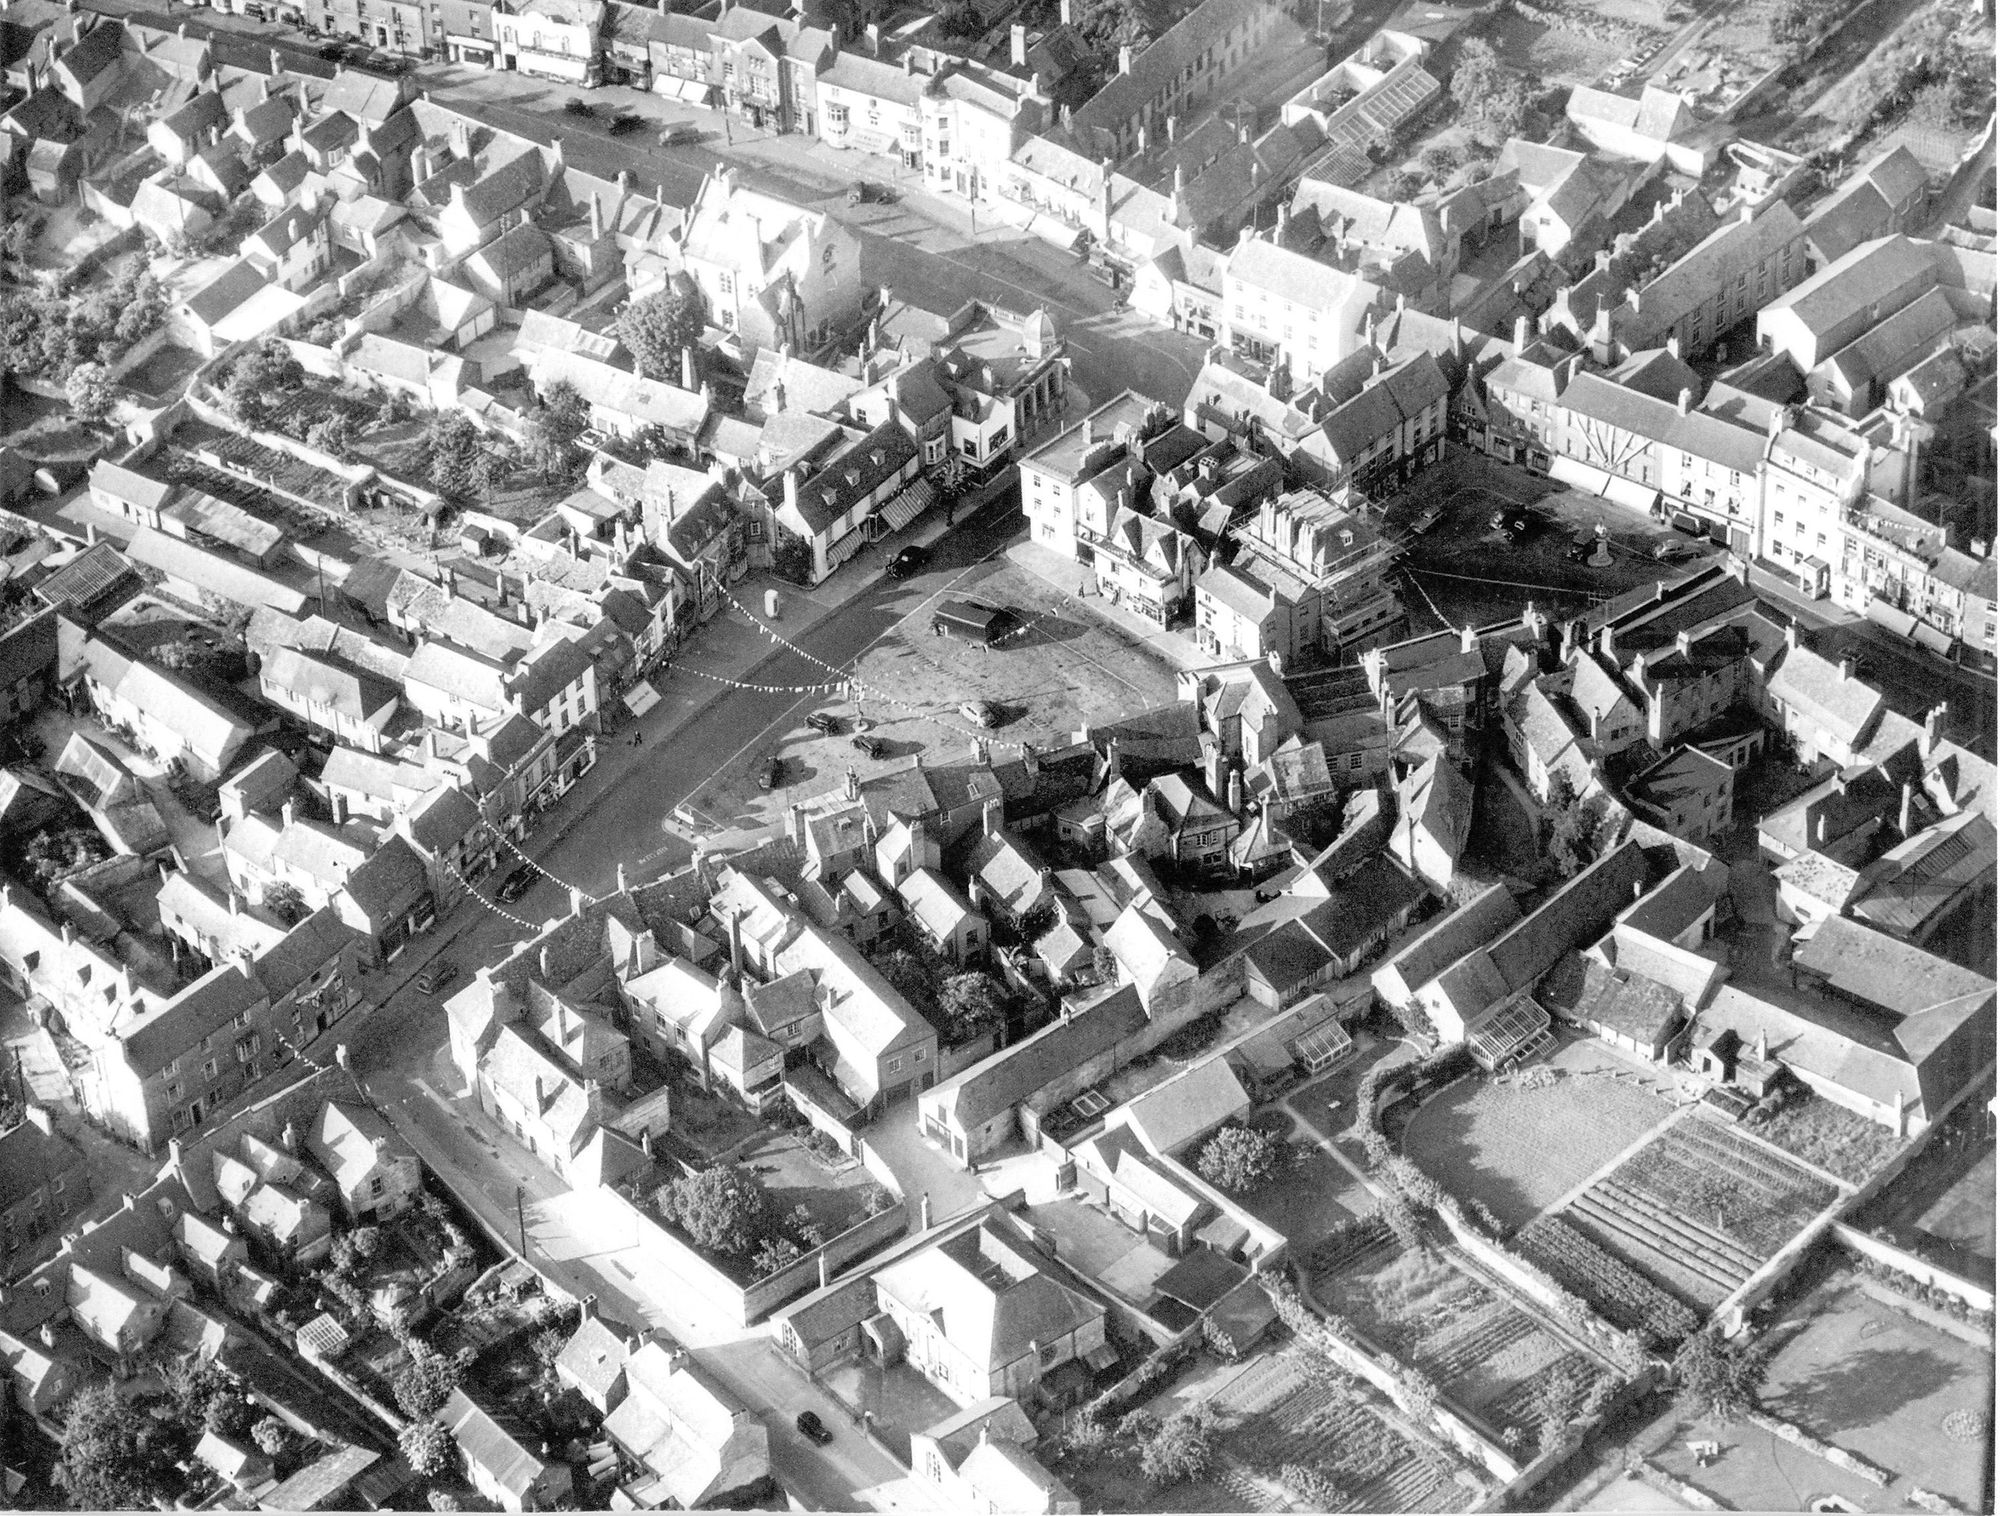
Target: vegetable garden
{"type": "Point", "coordinates": [1621, 1294]}
{"type": "Point", "coordinates": [1699, 1209]}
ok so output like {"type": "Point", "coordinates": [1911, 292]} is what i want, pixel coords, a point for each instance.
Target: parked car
{"type": "Point", "coordinates": [575, 107]}
{"type": "Point", "coordinates": [1671, 551]}
{"type": "Point", "coordinates": [626, 121]}
{"type": "Point", "coordinates": [770, 772]}
{"type": "Point", "coordinates": [820, 721]}
{"type": "Point", "coordinates": [908, 561]}
{"type": "Point", "coordinates": [811, 1426]}
{"type": "Point", "coordinates": [679, 134]}
{"type": "Point", "coordinates": [1425, 522]}
{"type": "Point", "coordinates": [517, 884]}
{"type": "Point", "coordinates": [872, 747]}
{"type": "Point", "coordinates": [862, 192]}
{"type": "Point", "coordinates": [980, 713]}
{"type": "Point", "coordinates": [436, 975]}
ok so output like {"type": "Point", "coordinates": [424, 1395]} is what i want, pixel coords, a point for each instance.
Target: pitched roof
{"type": "Point", "coordinates": [989, 1295]}
{"type": "Point", "coordinates": [1189, 1105]}
{"type": "Point", "coordinates": [1004, 1080]}
{"type": "Point", "coordinates": [488, 1445]}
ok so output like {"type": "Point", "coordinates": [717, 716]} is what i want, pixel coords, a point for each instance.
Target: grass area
{"type": "Point", "coordinates": [1518, 1149]}
{"type": "Point", "coordinates": [1831, 1137]}
{"type": "Point", "coordinates": [1308, 1202]}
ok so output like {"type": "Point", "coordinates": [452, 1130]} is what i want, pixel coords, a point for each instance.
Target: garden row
{"type": "Point", "coordinates": [1759, 1201]}
{"type": "Point", "coordinates": [1619, 1293]}
{"type": "Point", "coordinates": [1683, 1255]}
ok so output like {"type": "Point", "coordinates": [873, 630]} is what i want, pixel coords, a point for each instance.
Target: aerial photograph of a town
{"type": "Point", "coordinates": [998, 756]}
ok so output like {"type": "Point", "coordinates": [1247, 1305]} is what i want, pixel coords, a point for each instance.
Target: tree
{"type": "Point", "coordinates": [1104, 963]}
{"type": "Point", "coordinates": [552, 432]}
{"type": "Point", "coordinates": [452, 445]}
{"type": "Point", "coordinates": [425, 1383]}
{"type": "Point", "coordinates": [959, 19]}
{"type": "Point", "coordinates": [105, 1463]}
{"type": "Point", "coordinates": [284, 901]}
{"type": "Point", "coordinates": [1720, 1378]}
{"type": "Point", "coordinates": [1238, 1159]}
{"type": "Point", "coordinates": [971, 1003]}
{"type": "Point", "coordinates": [1473, 76]}
{"type": "Point", "coordinates": [1935, 105]}
{"type": "Point", "coordinates": [230, 1414]}
{"type": "Point", "coordinates": [272, 1437]}
{"type": "Point", "coordinates": [257, 379]}
{"type": "Point", "coordinates": [659, 328]}
{"type": "Point", "coordinates": [1113, 23]}
{"type": "Point", "coordinates": [773, 1254]}
{"type": "Point", "coordinates": [1438, 161]}
{"type": "Point", "coordinates": [426, 1445]}
{"type": "Point", "coordinates": [88, 390]}
{"type": "Point", "coordinates": [442, 1500]}
{"type": "Point", "coordinates": [1555, 1402]}
{"type": "Point", "coordinates": [724, 1209]}
{"type": "Point", "coordinates": [192, 1383]}
{"type": "Point", "coordinates": [791, 556]}
{"type": "Point", "coordinates": [334, 436]}
{"type": "Point", "coordinates": [1182, 1448]}
{"type": "Point", "coordinates": [908, 977]}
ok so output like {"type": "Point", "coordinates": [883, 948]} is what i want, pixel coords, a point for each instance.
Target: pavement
{"type": "Point", "coordinates": [1079, 587]}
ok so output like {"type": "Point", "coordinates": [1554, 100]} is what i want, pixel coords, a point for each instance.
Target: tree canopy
{"type": "Point", "coordinates": [971, 1003]}
{"type": "Point", "coordinates": [106, 1462]}
{"type": "Point", "coordinates": [424, 1384]}
{"type": "Point", "coordinates": [658, 328]}
{"type": "Point", "coordinates": [426, 1446]}
{"type": "Point", "coordinates": [724, 1209]}
{"type": "Point", "coordinates": [1720, 1378]}
{"type": "Point", "coordinates": [1238, 1159]}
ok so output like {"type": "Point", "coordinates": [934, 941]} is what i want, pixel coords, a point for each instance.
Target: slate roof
{"type": "Point", "coordinates": [1004, 1080]}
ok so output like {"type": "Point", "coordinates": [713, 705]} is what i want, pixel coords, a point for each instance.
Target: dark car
{"type": "Point", "coordinates": [626, 121]}
{"type": "Point", "coordinates": [908, 561]}
{"type": "Point", "coordinates": [864, 193]}
{"type": "Point", "coordinates": [770, 773]}
{"type": "Point", "coordinates": [811, 1426]}
{"type": "Point", "coordinates": [820, 721]}
{"type": "Point", "coordinates": [333, 51]}
{"type": "Point", "coordinates": [679, 134]}
{"type": "Point", "coordinates": [873, 747]}
{"type": "Point", "coordinates": [437, 975]}
{"type": "Point", "coordinates": [517, 884]}
{"type": "Point", "coordinates": [576, 107]}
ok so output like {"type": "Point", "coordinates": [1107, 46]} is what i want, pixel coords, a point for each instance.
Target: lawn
{"type": "Point", "coordinates": [1307, 1202]}
{"type": "Point", "coordinates": [1863, 1376]}
{"type": "Point", "coordinates": [1518, 1149]}
{"type": "Point", "coordinates": [1848, 1146]}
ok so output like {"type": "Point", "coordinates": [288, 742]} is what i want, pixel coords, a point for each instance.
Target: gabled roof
{"type": "Point", "coordinates": [489, 1446]}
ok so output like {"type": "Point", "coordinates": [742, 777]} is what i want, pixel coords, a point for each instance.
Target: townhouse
{"type": "Point", "coordinates": [844, 499]}
{"type": "Point", "coordinates": [1170, 77]}
{"type": "Point", "coordinates": [1279, 302]}
{"type": "Point", "coordinates": [1307, 579]}
{"type": "Point", "coordinates": [770, 271]}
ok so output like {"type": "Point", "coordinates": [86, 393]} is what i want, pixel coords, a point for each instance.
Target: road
{"type": "Point", "coordinates": [400, 1051]}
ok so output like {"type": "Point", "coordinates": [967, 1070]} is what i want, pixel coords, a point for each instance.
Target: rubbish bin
{"type": "Point", "coordinates": [771, 605]}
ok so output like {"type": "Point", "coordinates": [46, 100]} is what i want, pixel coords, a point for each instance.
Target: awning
{"type": "Point", "coordinates": [1582, 475]}
{"type": "Point", "coordinates": [843, 548]}
{"type": "Point", "coordinates": [1624, 492]}
{"type": "Point", "coordinates": [1057, 232]}
{"type": "Point", "coordinates": [909, 505]}
{"type": "Point", "coordinates": [874, 142]}
{"type": "Point", "coordinates": [1684, 521]}
{"type": "Point", "coordinates": [687, 91]}
{"type": "Point", "coordinates": [1937, 641]}
{"type": "Point", "coordinates": [1901, 622]}
{"type": "Point", "coordinates": [641, 698]}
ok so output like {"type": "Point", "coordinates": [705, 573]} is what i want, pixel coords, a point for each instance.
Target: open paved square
{"type": "Point", "coordinates": [1058, 672]}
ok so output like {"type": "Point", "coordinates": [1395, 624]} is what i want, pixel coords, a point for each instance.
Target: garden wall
{"type": "Point", "coordinates": [744, 1304]}
{"type": "Point", "coordinates": [1890, 1256]}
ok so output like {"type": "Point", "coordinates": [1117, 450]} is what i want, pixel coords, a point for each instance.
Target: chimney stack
{"type": "Point", "coordinates": [1017, 36]}
{"type": "Point", "coordinates": [736, 944]}
{"type": "Point", "coordinates": [1520, 334]}
{"type": "Point", "coordinates": [1125, 58]}
{"type": "Point", "coordinates": [924, 1211]}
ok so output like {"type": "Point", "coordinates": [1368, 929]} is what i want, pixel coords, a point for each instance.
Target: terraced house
{"type": "Point", "coordinates": [1170, 77]}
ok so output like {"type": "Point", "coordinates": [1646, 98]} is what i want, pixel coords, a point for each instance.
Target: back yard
{"type": "Point", "coordinates": [1865, 1376]}
{"type": "Point", "coordinates": [1517, 1145]}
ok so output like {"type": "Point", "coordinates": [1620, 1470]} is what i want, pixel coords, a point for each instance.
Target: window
{"type": "Point", "coordinates": [893, 1065]}
{"type": "Point", "coordinates": [208, 1068]}
{"type": "Point", "coordinates": [919, 1056]}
